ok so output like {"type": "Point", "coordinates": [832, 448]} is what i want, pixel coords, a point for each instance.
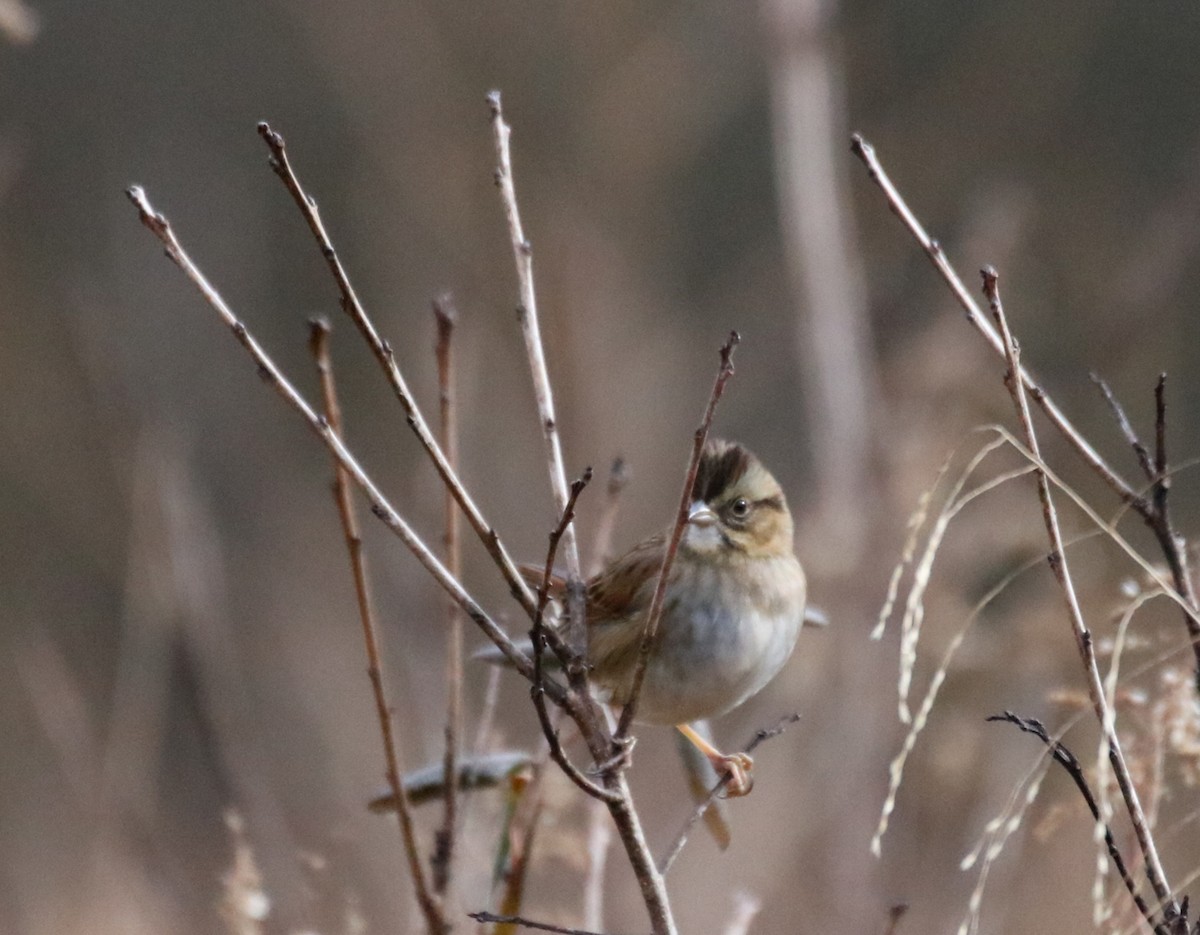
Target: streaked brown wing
{"type": "Point", "coordinates": [625, 587]}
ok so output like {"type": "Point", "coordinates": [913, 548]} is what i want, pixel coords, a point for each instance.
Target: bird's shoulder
{"type": "Point", "coordinates": [625, 585]}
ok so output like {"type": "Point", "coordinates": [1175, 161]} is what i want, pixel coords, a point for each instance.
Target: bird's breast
{"type": "Point", "coordinates": [726, 630]}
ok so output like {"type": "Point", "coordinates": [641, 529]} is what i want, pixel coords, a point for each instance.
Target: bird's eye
{"type": "Point", "coordinates": [740, 508]}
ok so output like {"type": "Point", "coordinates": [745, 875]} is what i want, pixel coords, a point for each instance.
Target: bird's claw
{"type": "Point", "coordinates": [737, 766]}
{"type": "Point", "coordinates": [621, 759]}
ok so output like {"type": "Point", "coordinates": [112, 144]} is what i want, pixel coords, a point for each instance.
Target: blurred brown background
{"type": "Point", "coordinates": [177, 632]}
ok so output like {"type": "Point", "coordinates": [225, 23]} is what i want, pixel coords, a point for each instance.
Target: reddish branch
{"type": "Point", "coordinates": [431, 906]}
{"type": "Point", "coordinates": [685, 501]}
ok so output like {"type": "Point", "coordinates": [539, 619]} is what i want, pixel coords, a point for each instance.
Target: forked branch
{"type": "Point", "coordinates": [1083, 637]}
{"type": "Point", "coordinates": [1151, 509]}
{"type": "Point", "coordinates": [387, 360]}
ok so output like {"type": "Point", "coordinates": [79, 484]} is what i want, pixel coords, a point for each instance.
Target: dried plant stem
{"type": "Point", "coordinates": [443, 857]}
{"type": "Point", "coordinates": [538, 637]}
{"type": "Point", "coordinates": [387, 360]}
{"type": "Point", "coordinates": [759, 737]}
{"type": "Point", "coordinates": [491, 917]}
{"type": "Point", "coordinates": [431, 906]}
{"type": "Point", "coordinates": [1083, 637]}
{"type": "Point", "coordinates": [530, 329]}
{"type": "Point", "coordinates": [1152, 510]}
{"type": "Point", "coordinates": [582, 708]}
{"type": "Point", "coordinates": [654, 615]}
{"type": "Point", "coordinates": [1067, 760]}
{"type": "Point", "coordinates": [161, 228]}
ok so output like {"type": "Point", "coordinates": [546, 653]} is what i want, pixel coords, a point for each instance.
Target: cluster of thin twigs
{"type": "Point", "coordinates": [608, 747]}
{"type": "Point", "coordinates": [1164, 913]}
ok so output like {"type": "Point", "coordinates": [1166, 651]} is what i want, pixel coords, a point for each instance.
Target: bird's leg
{"type": "Point", "coordinates": [736, 765]}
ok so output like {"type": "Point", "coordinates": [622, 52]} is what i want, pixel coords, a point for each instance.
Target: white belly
{"type": "Point", "coordinates": [721, 641]}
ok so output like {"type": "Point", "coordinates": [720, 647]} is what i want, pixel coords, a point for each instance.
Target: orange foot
{"type": "Point", "coordinates": [736, 766]}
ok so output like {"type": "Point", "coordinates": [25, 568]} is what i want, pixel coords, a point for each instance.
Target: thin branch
{"type": "Point", "coordinates": [528, 316]}
{"type": "Point", "coordinates": [582, 707]}
{"type": "Point", "coordinates": [538, 635]}
{"type": "Point", "coordinates": [1123, 423]}
{"type": "Point", "coordinates": [866, 152]}
{"type": "Point", "coordinates": [431, 906]}
{"type": "Point", "coordinates": [1170, 544]}
{"type": "Point", "coordinates": [1083, 637]}
{"type": "Point", "coordinates": [759, 737]}
{"type": "Point", "coordinates": [1067, 760]}
{"type": "Point", "coordinates": [490, 917]}
{"type": "Point", "coordinates": [387, 360]}
{"type": "Point", "coordinates": [161, 228]}
{"type": "Point", "coordinates": [1174, 549]}
{"type": "Point", "coordinates": [618, 479]}
{"type": "Point", "coordinates": [650, 630]}
{"type": "Point", "coordinates": [599, 839]}
{"type": "Point", "coordinates": [443, 856]}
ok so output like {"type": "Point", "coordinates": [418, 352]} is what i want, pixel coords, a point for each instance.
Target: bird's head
{"type": "Point", "coordinates": [737, 508]}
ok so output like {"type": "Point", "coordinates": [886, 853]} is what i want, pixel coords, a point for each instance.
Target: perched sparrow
{"type": "Point", "coordinates": [734, 605]}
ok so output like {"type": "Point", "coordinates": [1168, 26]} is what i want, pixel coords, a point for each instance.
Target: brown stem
{"type": "Point", "coordinates": [387, 360]}
{"type": "Point", "coordinates": [161, 228]}
{"type": "Point", "coordinates": [443, 856]}
{"type": "Point", "coordinates": [1067, 760]}
{"type": "Point", "coordinates": [528, 316]}
{"type": "Point", "coordinates": [431, 906]}
{"type": "Point", "coordinates": [766, 733]}
{"type": "Point", "coordinates": [1083, 637]}
{"type": "Point", "coordinates": [486, 917]}
{"type": "Point", "coordinates": [538, 637]}
{"type": "Point", "coordinates": [650, 630]}
{"type": "Point", "coordinates": [582, 708]}
{"type": "Point", "coordinates": [1174, 550]}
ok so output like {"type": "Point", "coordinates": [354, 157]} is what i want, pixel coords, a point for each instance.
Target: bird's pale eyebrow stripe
{"type": "Point", "coordinates": [771, 503]}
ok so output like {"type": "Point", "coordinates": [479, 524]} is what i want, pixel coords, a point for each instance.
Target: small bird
{"type": "Point", "coordinates": [733, 608]}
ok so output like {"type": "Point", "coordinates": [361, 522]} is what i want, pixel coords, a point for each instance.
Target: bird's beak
{"type": "Point", "coordinates": [700, 515]}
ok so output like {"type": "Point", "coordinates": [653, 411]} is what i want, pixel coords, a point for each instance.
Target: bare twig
{"type": "Point", "coordinates": [759, 737]}
{"type": "Point", "coordinates": [933, 249]}
{"type": "Point", "coordinates": [431, 906]}
{"type": "Point", "coordinates": [1171, 545]}
{"type": "Point", "coordinates": [650, 629]}
{"type": "Point", "coordinates": [1067, 760]}
{"type": "Point", "coordinates": [1083, 637]}
{"type": "Point", "coordinates": [618, 478]}
{"type": "Point", "coordinates": [1123, 423]}
{"type": "Point", "coordinates": [581, 705]}
{"type": "Point", "coordinates": [491, 917]}
{"type": "Point", "coordinates": [538, 635]}
{"type": "Point", "coordinates": [599, 831]}
{"type": "Point", "coordinates": [599, 839]}
{"type": "Point", "coordinates": [528, 316]}
{"type": "Point", "coordinates": [387, 360]}
{"type": "Point", "coordinates": [161, 228]}
{"type": "Point", "coordinates": [443, 855]}
{"type": "Point", "coordinates": [1174, 549]}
